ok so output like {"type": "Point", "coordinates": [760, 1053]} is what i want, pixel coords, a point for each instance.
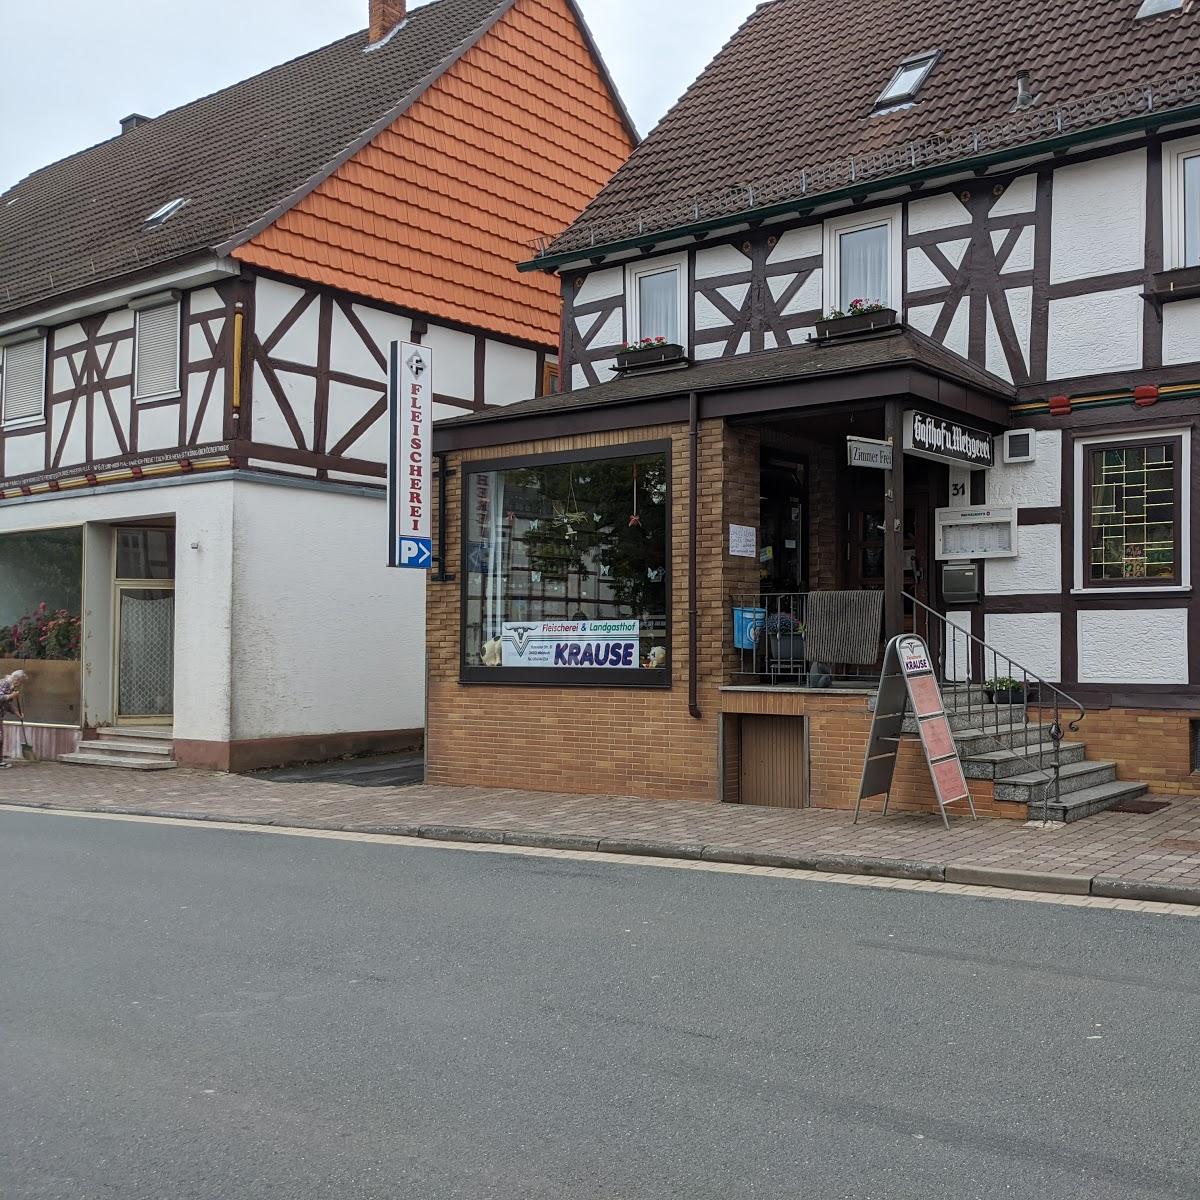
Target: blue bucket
{"type": "Point", "coordinates": [747, 626]}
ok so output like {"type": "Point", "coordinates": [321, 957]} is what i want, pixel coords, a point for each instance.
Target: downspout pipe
{"type": "Point", "coordinates": [693, 573]}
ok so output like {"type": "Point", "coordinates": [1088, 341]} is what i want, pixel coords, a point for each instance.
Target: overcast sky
{"type": "Point", "coordinates": [70, 69]}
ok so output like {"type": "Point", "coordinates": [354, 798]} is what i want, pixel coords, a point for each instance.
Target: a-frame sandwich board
{"type": "Point", "coordinates": [908, 680]}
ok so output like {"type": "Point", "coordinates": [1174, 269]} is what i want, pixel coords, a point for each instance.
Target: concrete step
{"type": "Point", "coordinates": [81, 758]}
{"type": "Point", "coordinates": [974, 740]}
{"type": "Point", "coordinates": [1003, 764]}
{"type": "Point", "coordinates": [1077, 805]}
{"type": "Point", "coordinates": [144, 733]}
{"type": "Point", "coordinates": [132, 746]}
{"type": "Point", "coordinates": [1034, 786]}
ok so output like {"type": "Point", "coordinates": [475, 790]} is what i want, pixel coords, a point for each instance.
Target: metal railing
{"type": "Point", "coordinates": [1020, 711]}
{"type": "Point", "coordinates": [1027, 126]}
{"type": "Point", "coordinates": [770, 637]}
{"type": "Point", "coordinates": [988, 694]}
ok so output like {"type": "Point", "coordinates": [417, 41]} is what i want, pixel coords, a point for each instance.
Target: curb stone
{"type": "Point", "coordinates": [456, 833]}
{"type": "Point", "coordinates": [1139, 889]}
{"type": "Point", "coordinates": [1111, 887]}
{"type": "Point", "coordinates": [551, 841]}
{"type": "Point", "coordinates": [650, 849]}
{"type": "Point", "coordinates": [1020, 881]}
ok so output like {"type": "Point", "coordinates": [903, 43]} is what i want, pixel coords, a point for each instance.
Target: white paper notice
{"type": "Point", "coordinates": [743, 541]}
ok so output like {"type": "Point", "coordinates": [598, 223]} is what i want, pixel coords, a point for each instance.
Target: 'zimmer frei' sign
{"type": "Point", "coordinates": [551, 644]}
{"type": "Point", "coordinates": [409, 476]}
{"type": "Point", "coordinates": [947, 441]}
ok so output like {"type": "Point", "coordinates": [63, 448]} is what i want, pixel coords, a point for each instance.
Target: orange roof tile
{"type": "Point", "coordinates": [433, 214]}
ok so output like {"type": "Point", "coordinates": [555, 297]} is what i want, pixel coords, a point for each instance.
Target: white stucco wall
{"type": "Point", "coordinates": [203, 513]}
{"type": "Point", "coordinates": [510, 373]}
{"type": "Point", "coordinates": [720, 260]}
{"type": "Point", "coordinates": [1030, 639]}
{"type": "Point", "coordinates": [1037, 568]}
{"type": "Point", "coordinates": [958, 646]}
{"type": "Point", "coordinates": [602, 285]}
{"type": "Point", "coordinates": [1144, 645]}
{"type": "Point", "coordinates": [1181, 332]}
{"type": "Point", "coordinates": [1092, 334]}
{"type": "Point", "coordinates": [936, 212]}
{"type": "Point", "coordinates": [326, 637]}
{"type": "Point", "coordinates": [1098, 223]}
{"type": "Point", "coordinates": [1030, 485]}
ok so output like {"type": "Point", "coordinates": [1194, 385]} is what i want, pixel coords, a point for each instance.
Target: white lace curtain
{"type": "Point", "coordinates": [658, 306]}
{"type": "Point", "coordinates": [864, 266]}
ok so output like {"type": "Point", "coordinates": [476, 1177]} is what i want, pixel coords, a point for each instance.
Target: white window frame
{"type": "Point", "coordinates": [139, 306]}
{"type": "Point", "coordinates": [635, 272]}
{"type": "Point", "coordinates": [853, 223]}
{"type": "Point", "coordinates": [1174, 155]}
{"type": "Point", "coordinates": [40, 417]}
{"type": "Point", "coordinates": [1184, 534]}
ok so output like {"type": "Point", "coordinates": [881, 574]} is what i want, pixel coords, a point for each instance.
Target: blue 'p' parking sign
{"type": "Point", "coordinates": [409, 480]}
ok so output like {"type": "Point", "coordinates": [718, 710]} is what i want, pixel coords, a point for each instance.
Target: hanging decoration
{"type": "Point", "coordinates": [635, 521]}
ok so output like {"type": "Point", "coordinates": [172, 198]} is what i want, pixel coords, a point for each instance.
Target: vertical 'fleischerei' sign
{"type": "Point", "coordinates": [409, 477]}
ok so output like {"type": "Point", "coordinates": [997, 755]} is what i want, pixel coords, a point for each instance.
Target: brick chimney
{"type": "Point", "coordinates": [385, 16]}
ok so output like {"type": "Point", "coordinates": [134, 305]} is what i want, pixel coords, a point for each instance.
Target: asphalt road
{"type": "Point", "coordinates": [190, 1013]}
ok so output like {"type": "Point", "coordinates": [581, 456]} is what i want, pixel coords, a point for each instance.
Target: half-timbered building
{"type": "Point", "coordinates": [959, 239]}
{"type": "Point", "coordinates": [194, 325]}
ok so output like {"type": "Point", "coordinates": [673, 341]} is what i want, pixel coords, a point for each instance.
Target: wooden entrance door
{"type": "Point", "coordinates": [773, 770]}
{"type": "Point", "coordinates": [864, 528]}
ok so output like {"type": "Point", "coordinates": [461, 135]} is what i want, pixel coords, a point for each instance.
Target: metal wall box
{"type": "Point", "coordinates": [960, 584]}
{"type": "Point", "coordinates": [1020, 445]}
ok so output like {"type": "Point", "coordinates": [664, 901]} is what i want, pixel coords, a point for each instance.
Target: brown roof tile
{"type": "Point", "coordinates": [789, 101]}
{"type": "Point", "coordinates": [235, 155]}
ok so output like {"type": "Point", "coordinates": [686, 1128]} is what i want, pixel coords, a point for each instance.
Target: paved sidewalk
{"type": "Point", "coordinates": [1150, 857]}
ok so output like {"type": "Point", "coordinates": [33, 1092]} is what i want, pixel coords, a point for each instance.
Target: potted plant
{"type": "Point", "coordinates": [787, 637]}
{"type": "Point", "coordinates": [648, 352]}
{"type": "Point", "coordinates": [1004, 689]}
{"type": "Point", "coordinates": [860, 316]}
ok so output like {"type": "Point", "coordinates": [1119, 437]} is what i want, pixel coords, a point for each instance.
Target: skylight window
{"type": "Point", "coordinates": [1155, 8]}
{"type": "Point", "coordinates": [159, 215]}
{"type": "Point", "coordinates": [907, 81]}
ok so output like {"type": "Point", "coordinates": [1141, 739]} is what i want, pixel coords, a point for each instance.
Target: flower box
{"type": "Point", "coordinates": [787, 648]}
{"type": "Point", "coordinates": [855, 324]}
{"type": "Point", "coordinates": [637, 358]}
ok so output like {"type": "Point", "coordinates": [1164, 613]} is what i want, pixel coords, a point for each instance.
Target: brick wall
{"type": "Point", "coordinates": [1150, 746]}
{"type": "Point", "coordinates": [839, 726]}
{"type": "Point", "coordinates": [616, 740]}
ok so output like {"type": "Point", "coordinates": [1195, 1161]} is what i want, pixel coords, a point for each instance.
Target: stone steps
{"type": "Point", "coordinates": [1033, 787]}
{"type": "Point", "coordinates": [142, 748]}
{"type": "Point", "coordinates": [1000, 742]}
{"type": "Point", "coordinates": [1002, 764]}
{"type": "Point", "coordinates": [1074, 806]}
{"type": "Point", "coordinates": [129, 762]}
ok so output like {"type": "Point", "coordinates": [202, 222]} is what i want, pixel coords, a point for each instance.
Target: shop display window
{"type": "Point", "coordinates": [41, 602]}
{"type": "Point", "coordinates": [566, 569]}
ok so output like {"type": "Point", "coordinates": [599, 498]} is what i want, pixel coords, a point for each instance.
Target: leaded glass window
{"type": "Point", "coordinates": [1133, 514]}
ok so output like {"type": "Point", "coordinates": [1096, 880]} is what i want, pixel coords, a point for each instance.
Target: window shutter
{"type": "Point", "coordinates": [24, 387]}
{"type": "Point", "coordinates": [156, 368]}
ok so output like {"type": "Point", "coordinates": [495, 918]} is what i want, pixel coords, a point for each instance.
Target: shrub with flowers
{"type": "Point", "coordinates": [647, 343]}
{"type": "Point", "coordinates": [856, 308]}
{"type": "Point", "coordinates": [42, 634]}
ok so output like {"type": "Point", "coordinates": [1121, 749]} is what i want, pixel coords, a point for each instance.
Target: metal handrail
{"type": "Point", "coordinates": [1028, 685]}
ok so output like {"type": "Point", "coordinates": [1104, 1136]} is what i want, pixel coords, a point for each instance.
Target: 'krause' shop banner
{"type": "Point", "coordinates": [550, 644]}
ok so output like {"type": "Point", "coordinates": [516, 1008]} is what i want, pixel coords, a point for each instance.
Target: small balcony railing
{"type": "Point", "coordinates": [808, 639]}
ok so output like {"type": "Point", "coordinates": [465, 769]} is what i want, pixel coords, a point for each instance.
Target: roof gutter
{"type": "Point", "coordinates": [803, 205]}
{"type": "Point", "coordinates": [196, 269]}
